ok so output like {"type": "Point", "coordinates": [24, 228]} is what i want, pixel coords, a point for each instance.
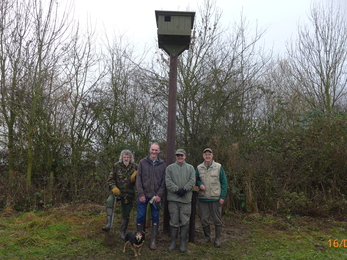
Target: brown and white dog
{"type": "Point", "coordinates": [136, 240]}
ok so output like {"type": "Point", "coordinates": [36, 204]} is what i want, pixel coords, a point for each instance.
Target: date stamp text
{"type": "Point", "coordinates": [337, 242]}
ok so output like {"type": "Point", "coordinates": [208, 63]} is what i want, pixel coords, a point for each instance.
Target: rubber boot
{"type": "Point", "coordinates": [207, 233]}
{"type": "Point", "coordinates": [154, 236]}
{"type": "Point", "coordinates": [217, 238]}
{"type": "Point", "coordinates": [123, 228]}
{"type": "Point", "coordinates": [184, 231]}
{"type": "Point", "coordinates": [139, 227]}
{"type": "Point", "coordinates": [173, 234]}
{"type": "Point", "coordinates": [109, 213]}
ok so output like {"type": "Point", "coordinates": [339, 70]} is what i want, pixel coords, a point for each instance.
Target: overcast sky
{"type": "Point", "coordinates": [136, 18]}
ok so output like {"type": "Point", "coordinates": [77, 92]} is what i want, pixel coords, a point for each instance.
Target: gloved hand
{"type": "Point", "coordinates": [116, 191]}
{"type": "Point", "coordinates": [157, 205]}
{"type": "Point", "coordinates": [133, 176]}
{"type": "Point", "coordinates": [195, 188]}
{"type": "Point", "coordinates": [181, 192]}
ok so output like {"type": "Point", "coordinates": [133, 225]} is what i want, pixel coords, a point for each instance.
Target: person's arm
{"type": "Point", "coordinates": [199, 183]}
{"type": "Point", "coordinates": [161, 190]}
{"type": "Point", "coordinates": [191, 182]}
{"type": "Point", "coordinates": [111, 181]}
{"type": "Point", "coordinates": [170, 185]}
{"type": "Point", "coordinates": [223, 183]}
{"type": "Point", "coordinates": [133, 174]}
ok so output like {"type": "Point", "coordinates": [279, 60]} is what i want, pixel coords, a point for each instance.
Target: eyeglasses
{"type": "Point", "coordinates": [179, 155]}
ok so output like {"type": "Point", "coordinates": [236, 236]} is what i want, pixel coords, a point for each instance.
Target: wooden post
{"type": "Point", "coordinates": [171, 130]}
{"type": "Point", "coordinates": [171, 124]}
{"type": "Point", "coordinates": [192, 218]}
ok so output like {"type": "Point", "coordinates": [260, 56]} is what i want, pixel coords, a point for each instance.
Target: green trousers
{"type": "Point", "coordinates": [126, 207]}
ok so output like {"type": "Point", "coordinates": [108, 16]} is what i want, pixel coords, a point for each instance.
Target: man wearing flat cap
{"type": "Point", "coordinates": [179, 180]}
{"type": "Point", "coordinates": [213, 185]}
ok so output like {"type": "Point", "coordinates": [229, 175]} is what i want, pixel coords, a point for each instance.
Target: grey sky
{"type": "Point", "coordinates": [136, 20]}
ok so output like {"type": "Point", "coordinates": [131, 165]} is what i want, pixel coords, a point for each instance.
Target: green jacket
{"type": "Point", "coordinates": [120, 177]}
{"type": "Point", "coordinates": [179, 176]}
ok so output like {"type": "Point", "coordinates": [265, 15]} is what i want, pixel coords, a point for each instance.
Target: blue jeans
{"type": "Point", "coordinates": [141, 212]}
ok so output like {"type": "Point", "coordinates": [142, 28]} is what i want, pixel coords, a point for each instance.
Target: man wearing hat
{"type": "Point", "coordinates": [213, 185]}
{"type": "Point", "coordinates": [179, 180]}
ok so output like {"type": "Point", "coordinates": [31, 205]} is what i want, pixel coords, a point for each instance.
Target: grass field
{"type": "Point", "coordinates": [72, 232]}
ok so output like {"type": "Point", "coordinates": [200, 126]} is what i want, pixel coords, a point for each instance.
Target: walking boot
{"type": "Point", "coordinates": [207, 233]}
{"type": "Point", "coordinates": [154, 236]}
{"type": "Point", "coordinates": [173, 234]}
{"type": "Point", "coordinates": [109, 218]}
{"type": "Point", "coordinates": [217, 238]}
{"type": "Point", "coordinates": [123, 228]}
{"type": "Point", "coordinates": [184, 231]}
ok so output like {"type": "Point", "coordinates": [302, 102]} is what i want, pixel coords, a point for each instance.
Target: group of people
{"type": "Point", "coordinates": [152, 179]}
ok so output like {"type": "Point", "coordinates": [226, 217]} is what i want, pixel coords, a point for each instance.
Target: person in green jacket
{"type": "Point", "coordinates": [213, 185]}
{"type": "Point", "coordinates": [179, 180]}
{"type": "Point", "coordinates": [121, 182]}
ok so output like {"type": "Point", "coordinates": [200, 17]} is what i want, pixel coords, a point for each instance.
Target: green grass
{"type": "Point", "coordinates": [76, 234]}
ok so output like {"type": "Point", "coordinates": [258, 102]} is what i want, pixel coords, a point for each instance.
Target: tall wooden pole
{"type": "Point", "coordinates": [171, 123]}
{"type": "Point", "coordinates": [171, 128]}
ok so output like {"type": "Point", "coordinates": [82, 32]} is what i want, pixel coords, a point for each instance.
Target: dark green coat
{"type": "Point", "coordinates": [120, 177]}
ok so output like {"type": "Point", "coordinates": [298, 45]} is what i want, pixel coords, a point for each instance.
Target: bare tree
{"type": "Point", "coordinates": [43, 53]}
{"type": "Point", "coordinates": [32, 33]}
{"type": "Point", "coordinates": [13, 30]}
{"type": "Point", "coordinates": [217, 80]}
{"type": "Point", "coordinates": [279, 106]}
{"type": "Point", "coordinates": [82, 75]}
{"type": "Point", "coordinates": [318, 59]}
{"type": "Point", "coordinates": [126, 110]}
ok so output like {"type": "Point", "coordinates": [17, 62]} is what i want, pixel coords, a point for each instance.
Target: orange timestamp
{"type": "Point", "coordinates": [337, 243]}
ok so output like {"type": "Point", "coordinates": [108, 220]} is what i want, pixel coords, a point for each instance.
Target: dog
{"type": "Point", "coordinates": [136, 240]}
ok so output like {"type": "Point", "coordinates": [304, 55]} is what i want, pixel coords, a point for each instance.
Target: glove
{"type": "Point", "coordinates": [157, 205]}
{"type": "Point", "coordinates": [181, 192]}
{"type": "Point", "coordinates": [196, 188]}
{"type": "Point", "coordinates": [116, 191]}
{"type": "Point", "coordinates": [133, 176]}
